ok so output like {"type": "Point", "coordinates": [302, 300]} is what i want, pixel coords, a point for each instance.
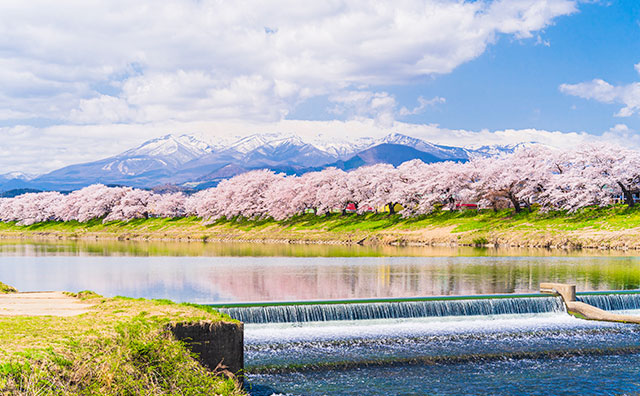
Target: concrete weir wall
{"type": "Point", "coordinates": [582, 310]}
{"type": "Point", "coordinates": [214, 343]}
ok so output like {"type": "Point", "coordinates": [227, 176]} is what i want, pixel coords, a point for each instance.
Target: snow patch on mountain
{"type": "Point", "coordinates": [500, 149]}
{"type": "Point", "coordinates": [181, 149]}
{"type": "Point", "coordinates": [17, 176]}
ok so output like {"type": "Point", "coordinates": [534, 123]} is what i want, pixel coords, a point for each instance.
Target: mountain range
{"type": "Point", "coordinates": [192, 162]}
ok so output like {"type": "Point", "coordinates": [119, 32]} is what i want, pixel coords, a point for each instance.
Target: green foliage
{"type": "Point", "coordinates": [5, 289]}
{"type": "Point", "coordinates": [480, 241]}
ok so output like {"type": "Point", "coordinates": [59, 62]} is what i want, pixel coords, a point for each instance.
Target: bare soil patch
{"type": "Point", "coordinates": [41, 304]}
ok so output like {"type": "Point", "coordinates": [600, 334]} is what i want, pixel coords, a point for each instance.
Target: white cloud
{"type": "Point", "coordinates": [380, 106]}
{"type": "Point", "coordinates": [422, 105]}
{"type": "Point", "coordinates": [623, 135]}
{"type": "Point", "coordinates": [185, 96]}
{"type": "Point", "coordinates": [113, 73]}
{"type": "Point", "coordinates": [365, 104]}
{"type": "Point", "coordinates": [602, 91]}
{"type": "Point", "coordinates": [120, 61]}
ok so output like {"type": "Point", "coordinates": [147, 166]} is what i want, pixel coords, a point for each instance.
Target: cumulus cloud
{"type": "Point", "coordinates": [380, 106]}
{"type": "Point", "coordinates": [120, 61]}
{"type": "Point", "coordinates": [365, 104]}
{"type": "Point", "coordinates": [422, 105]}
{"type": "Point", "coordinates": [602, 91]}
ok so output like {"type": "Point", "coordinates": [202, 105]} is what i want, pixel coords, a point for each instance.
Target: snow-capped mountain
{"type": "Point", "coordinates": [499, 149]}
{"type": "Point", "coordinates": [169, 148]}
{"type": "Point", "coordinates": [17, 176]}
{"type": "Point", "coordinates": [14, 180]}
{"type": "Point", "coordinates": [290, 150]}
{"type": "Point", "coordinates": [200, 161]}
{"type": "Point", "coordinates": [341, 149]}
{"type": "Point", "coordinates": [151, 163]}
{"type": "Point", "coordinates": [438, 151]}
{"type": "Point", "coordinates": [387, 153]}
{"type": "Point", "coordinates": [253, 142]}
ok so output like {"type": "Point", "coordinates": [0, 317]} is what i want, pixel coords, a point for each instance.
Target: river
{"type": "Point", "coordinates": [540, 351]}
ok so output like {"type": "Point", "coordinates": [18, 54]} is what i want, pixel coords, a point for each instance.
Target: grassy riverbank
{"type": "Point", "coordinates": [120, 347]}
{"type": "Point", "coordinates": [611, 227]}
{"type": "Point", "coordinates": [6, 289]}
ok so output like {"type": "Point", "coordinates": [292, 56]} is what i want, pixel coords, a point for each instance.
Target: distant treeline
{"type": "Point", "coordinates": [549, 178]}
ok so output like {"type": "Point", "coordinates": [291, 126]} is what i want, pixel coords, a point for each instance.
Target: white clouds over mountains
{"type": "Point", "coordinates": [100, 62]}
{"type": "Point", "coordinates": [602, 91]}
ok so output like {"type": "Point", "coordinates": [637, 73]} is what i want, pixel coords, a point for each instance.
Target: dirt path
{"type": "Point", "coordinates": [41, 304]}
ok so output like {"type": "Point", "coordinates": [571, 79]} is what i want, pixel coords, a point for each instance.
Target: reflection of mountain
{"type": "Point", "coordinates": [217, 279]}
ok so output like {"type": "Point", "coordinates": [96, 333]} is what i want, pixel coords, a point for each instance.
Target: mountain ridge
{"type": "Point", "coordinates": [191, 161]}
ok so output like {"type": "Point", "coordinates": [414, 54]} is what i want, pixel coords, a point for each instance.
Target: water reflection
{"type": "Point", "coordinates": [24, 247]}
{"type": "Point", "coordinates": [284, 272]}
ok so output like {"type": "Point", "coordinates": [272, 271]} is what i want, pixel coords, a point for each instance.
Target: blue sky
{"type": "Point", "coordinates": [515, 82]}
{"type": "Point", "coordinates": [84, 80]}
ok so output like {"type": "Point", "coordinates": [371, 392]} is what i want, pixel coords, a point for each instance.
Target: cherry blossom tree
{"type": "Point", "coordinates": [555, 179]}
{"type": "Point", "coordinates": [305, 195]}
{"type": "Point", "coordinates": [31, 208]}
{"type": "Point", "coordinates": [133, 204]}
{"type": "Point", "coordinates": [334, 192]}
{"type": "Point", "coordinates": [168, 205]}
{"type": "Point", "coordinates": [93, 202]}
{"type": "Point", "coordinates": [519, 177]}
{"type": "Point", "coordinates": [281, 198]}
{"type": "Point", "coordinates": [376, 186]}
{"type": "Point", "coordinates": [593, 175]}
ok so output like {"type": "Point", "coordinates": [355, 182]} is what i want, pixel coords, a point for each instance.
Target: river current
{"type": "Point", "coordinates": [482, 347]}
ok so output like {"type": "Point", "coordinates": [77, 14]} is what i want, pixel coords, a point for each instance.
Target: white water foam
{"type": "Point", "coordinates": [332, 330]}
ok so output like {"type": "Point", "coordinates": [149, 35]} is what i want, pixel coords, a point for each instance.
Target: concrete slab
{"type": "Point", "coordinates": [593, 313]}
{"type": "Point", "coordinates": [586, 311]}
{"type": "Point", "coordinates": [41, 304]}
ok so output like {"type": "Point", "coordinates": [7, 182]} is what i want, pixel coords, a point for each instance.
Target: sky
{"type": "Point", "coordinates": [82, 80]}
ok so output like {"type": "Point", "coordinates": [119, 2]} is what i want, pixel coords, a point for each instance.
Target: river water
{"type": "Point", "coordinates": [526, 350]}
{"type": "Point", "coordinates": [212, 273]}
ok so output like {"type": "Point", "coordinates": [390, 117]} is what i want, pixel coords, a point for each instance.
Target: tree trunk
{"type": "Point", "coordinates": [514, 201]}
{"type": "Point", "coordinates": [392, 209]}
{"type": "Point", "coordinates": [628, 196]}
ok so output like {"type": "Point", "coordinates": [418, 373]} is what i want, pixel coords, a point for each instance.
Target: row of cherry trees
{"type": "Point", "coordinates": [553, 179]}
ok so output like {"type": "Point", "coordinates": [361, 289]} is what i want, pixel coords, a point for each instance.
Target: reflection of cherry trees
{"type": "Point", "coordinates": [554, 179]}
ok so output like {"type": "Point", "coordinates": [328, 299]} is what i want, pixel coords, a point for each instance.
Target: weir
{"type": "Point", "coordinates": [394, 309]}
{"type": "Point", "coordinates": [612, 301]}
{"type": "Point", "coordinates": [596, 305]}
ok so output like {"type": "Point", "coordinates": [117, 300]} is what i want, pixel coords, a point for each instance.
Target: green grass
{"type": "Point", "coordinates": [5, 289]}
{"type": "Point", "coordinates": [469, 227]}
{"type": "Point", "coordinates": [121, 347]}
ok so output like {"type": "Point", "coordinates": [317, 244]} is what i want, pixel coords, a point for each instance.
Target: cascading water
{"type": "Point", "coordinates": [394, 310]}
{"type": "Point", "coordinates": [500, 346]}
{"type": "Point", "coordinates": [612, 302]}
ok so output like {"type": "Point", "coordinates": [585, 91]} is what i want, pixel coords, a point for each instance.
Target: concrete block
{"type": "Point", "coordinates": [568, 292]}
{"type": "Point", "coordinates": [214, 343]}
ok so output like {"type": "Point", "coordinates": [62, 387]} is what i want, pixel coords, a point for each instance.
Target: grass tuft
{"type": "Point", "coordinates": [114, 349]}
{"type": "Point", "coordinates": [6, 289]}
